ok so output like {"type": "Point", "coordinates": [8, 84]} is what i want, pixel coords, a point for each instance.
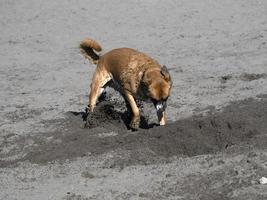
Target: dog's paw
{"type": "Point", "coordinates": [91, 121]}
{"type": "Point", "coordinates": [134, 125]}
{"type": "Point", "coordinates": [85, 114]}
{"type": "Point", "coordinates": [89, 118]}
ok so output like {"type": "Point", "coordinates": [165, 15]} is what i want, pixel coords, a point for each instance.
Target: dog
{"type": "Point", "coordinates": [134, 74]}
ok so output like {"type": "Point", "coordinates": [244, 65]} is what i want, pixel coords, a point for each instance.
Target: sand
{"type": "Point", "coordinates": [214, 146]}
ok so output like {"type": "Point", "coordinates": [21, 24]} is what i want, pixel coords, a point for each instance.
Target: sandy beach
{"type": "Point", "coordinates": [215, 143]}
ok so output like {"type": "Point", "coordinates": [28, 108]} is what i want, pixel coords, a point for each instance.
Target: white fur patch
{"type": "Point", "coordinates": [101, 91]}
{"type": "Point", "coordinates": [159, 106]}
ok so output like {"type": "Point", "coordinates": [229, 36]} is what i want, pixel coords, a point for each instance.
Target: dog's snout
{"type": "Point", "coordinates": [161, 106]}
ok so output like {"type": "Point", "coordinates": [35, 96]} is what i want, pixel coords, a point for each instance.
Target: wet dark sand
{"type": "Point", "coordinates": [241, 124]}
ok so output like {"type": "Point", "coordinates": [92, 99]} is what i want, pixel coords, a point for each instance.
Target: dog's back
{"type": "Point", "coordinates": [127, 64]}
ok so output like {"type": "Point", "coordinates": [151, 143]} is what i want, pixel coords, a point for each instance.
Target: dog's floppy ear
{"type": "Point", "coordinates": [164, 71]}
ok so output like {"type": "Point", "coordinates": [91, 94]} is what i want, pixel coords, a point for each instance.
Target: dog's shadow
{"type": "Point", "coordinates": [106, 115]}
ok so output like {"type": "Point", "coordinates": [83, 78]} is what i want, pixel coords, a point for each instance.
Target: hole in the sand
{"type": "Point", "coordinates": [110, 115]}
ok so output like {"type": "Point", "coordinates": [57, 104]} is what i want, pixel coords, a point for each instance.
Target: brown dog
{"type": "Point", "coordinates": [135, 75]}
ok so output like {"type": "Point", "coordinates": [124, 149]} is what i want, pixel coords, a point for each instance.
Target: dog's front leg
{"type": "Point", "coordinates": [161, 117]}
{"type": "Point", "coordinates": [135, 111]}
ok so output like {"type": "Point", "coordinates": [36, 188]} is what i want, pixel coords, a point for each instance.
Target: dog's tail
{"type": "Point", "coordinates": [87, 47]}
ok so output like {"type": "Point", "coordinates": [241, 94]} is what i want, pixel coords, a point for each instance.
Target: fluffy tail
{"type": "Point", "coordinates": [87, 47]}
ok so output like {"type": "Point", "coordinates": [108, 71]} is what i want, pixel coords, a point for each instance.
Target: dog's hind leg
{"type": "Point", "coordinates": [100, 78]}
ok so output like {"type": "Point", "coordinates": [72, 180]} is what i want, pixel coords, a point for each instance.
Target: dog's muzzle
{"type": "Point", "coordinates": [160, 105]}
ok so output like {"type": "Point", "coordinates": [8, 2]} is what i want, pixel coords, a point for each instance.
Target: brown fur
{"type": "Point", "coordinates": [137, 74]}
{"type": "Point", "coordinates": [87, 46]}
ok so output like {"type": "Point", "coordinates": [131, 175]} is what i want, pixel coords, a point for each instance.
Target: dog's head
{"type": "Point", "coordinates": [159, 84]}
